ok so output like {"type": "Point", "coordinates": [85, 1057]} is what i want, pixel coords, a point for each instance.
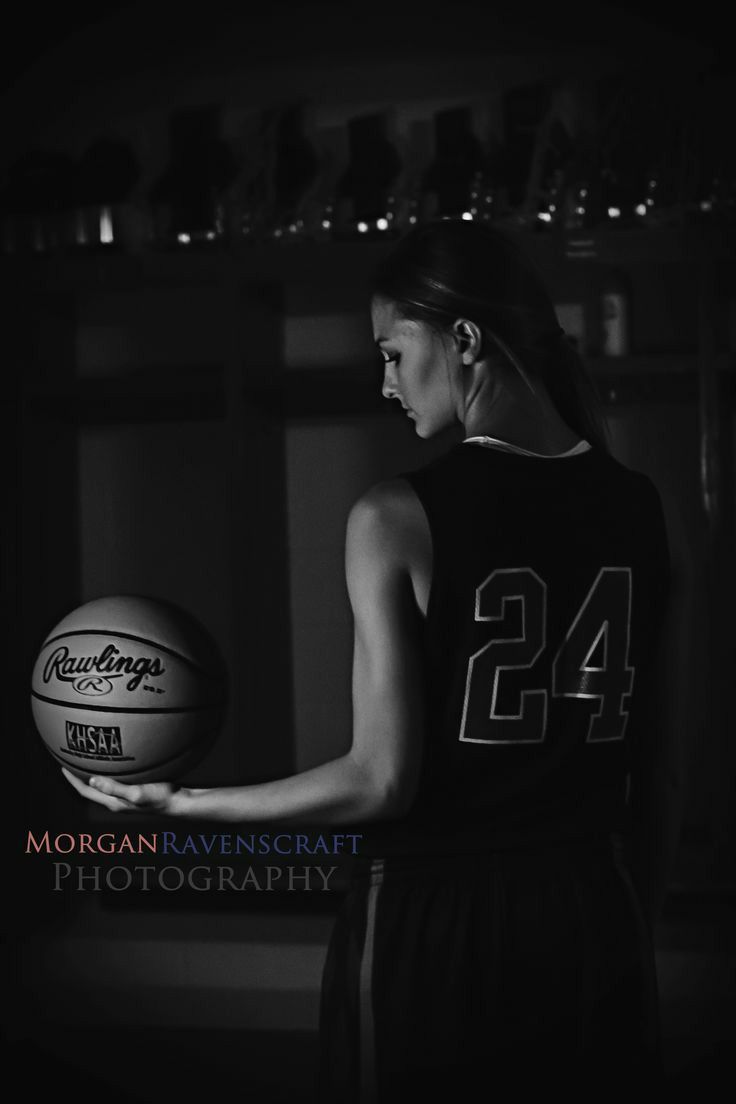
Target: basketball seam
{"type": "Point", "coordinates": [126, 709]}
{"type": "Point", "coordinates": [132, 770]}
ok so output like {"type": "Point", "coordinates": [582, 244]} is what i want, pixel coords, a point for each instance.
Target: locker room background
{"type": "Point", "coordinates": [198, 427]}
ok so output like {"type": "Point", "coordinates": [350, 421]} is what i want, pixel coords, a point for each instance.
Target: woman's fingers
{"type": "Point", "coordinates": [115, 804]}
{"type": "Point", "coordinates": [121, 795]}
{"type": "Point", "coordinates": [131, 793]}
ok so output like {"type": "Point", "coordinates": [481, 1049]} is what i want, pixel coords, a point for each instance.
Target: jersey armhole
{"type": "Point", "coordinates": [414, 482]}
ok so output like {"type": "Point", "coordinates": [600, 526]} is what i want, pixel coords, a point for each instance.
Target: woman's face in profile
{"type": "Point", "coordinates": [417, 368]}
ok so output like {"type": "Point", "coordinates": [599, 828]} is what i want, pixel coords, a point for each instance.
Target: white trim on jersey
{"type": "Point", "coordinates": [506, 446]}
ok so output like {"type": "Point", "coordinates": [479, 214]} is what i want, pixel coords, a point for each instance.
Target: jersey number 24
{"type": "Point", "coordinates": [603, 624]}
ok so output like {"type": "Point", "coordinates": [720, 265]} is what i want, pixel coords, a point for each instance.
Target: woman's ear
{"type": "Point", "coordinates": [469, 340]}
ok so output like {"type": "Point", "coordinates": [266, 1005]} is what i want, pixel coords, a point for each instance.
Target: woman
{"type": "Point", "coordinates": [508, 599]}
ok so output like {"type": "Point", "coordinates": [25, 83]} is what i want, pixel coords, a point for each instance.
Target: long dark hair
{"type": "Point", "coordinates": [450, 269]}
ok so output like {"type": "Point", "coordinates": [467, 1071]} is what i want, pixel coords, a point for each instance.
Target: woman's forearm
{"type": "Point", "coordinates": [337, 792]}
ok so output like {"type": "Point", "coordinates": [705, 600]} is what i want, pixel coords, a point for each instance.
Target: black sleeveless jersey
{"type": "Point", "coordinates": [549, 582]}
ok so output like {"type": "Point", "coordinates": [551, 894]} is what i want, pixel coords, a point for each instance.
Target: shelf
{"type": "Point", "coordinates": [198, 393]}
{"type": "Point", "coordinates": [175, 397]}
{"type": "Point", "coordinates": [337, 262]}
{"type": "Point", "coordinates": [663, 377]}
{"type": "Point", "coordinates": [159, 394]}
{"type": "Point", "coordinates": [641, 364]}
{"type": "Point", "coordinates": [329, 392]}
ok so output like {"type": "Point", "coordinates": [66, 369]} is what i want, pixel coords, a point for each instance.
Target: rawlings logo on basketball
{"type": "Point", "coordinates": [93, 685]}
{"type": "Point", "coordinates": [66, 667]}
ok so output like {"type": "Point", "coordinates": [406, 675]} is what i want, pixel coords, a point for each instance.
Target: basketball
{"type": "Point", "coordinates": [129, 687]}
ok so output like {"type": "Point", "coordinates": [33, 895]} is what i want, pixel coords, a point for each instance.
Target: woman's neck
{"type": "Point", "coordinates": [505, 408]}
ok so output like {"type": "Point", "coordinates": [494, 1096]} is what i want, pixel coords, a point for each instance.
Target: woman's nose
{"type": "Point", "coordinates": [389, 384]}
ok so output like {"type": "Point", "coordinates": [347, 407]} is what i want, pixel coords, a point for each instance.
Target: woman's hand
{"type": "Point", "coordinates": [121, 797]}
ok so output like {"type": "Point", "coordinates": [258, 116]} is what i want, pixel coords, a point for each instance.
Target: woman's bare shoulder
{"type": "Point", "coordinates": [392, 502]}
{"type": "Point", "coordinates": [389, 513]}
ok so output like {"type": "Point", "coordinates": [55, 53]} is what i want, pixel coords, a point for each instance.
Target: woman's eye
{"type": "Point", "coordinates": [391, 359]}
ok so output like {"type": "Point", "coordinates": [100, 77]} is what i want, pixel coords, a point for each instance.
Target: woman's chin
{"type": "Point", "coordinates": [425, 427]}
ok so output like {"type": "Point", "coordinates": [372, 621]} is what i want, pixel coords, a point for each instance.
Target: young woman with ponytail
{"type": "Point", "coordinates": [508, 600]}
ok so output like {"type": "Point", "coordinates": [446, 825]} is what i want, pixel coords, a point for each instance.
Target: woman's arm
{"type": "Point", "coordinates": [377, 777]}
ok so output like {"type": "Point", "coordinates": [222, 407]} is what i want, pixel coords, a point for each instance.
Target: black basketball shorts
{"type": "Point", "coordinates": [519, 970]}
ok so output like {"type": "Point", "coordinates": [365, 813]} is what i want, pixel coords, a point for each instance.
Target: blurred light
{"type": "Point", "coordinates": [545, 216]}
{"type": "Point", "coordinates": [467, 216]}
{"type": "Point", "coordinates": [706, 205]}
{"type": "Point", "coordinates": [292, 228]}
{"type": "Point", "coordinates": [106, 235]}
{"type": "Point", "coordinates": [210, 235]}
{"type": "Point", "coordinates": [649, 201]}
{"type": "Point", "coordinates": [412, 219]}
{"type": "Point", "coordinates": [579, 210]}
{"type": "Point", "coordinates": [382, 224]}
{"type": "Point", "coordinates": [80, 230]}
{"type": "Point", "coordinates": [552, 208]}
{"type": "Point", "coordinates": [277, 232]}
{"type": "Point", "coordinates": [641, 209]}
{"type": "Point", "coordinates": [326, 224]}
{"type": "Point", "coordinates": [614, 212]}
{"type": "Point", "coordinates": [183, 238]}
{"type": "Point", "coordinates": [474, 211]}
{"type": "Point", "coordinates": [362, 227]}
{"type": "Point", "coordinates": [583, 192]}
